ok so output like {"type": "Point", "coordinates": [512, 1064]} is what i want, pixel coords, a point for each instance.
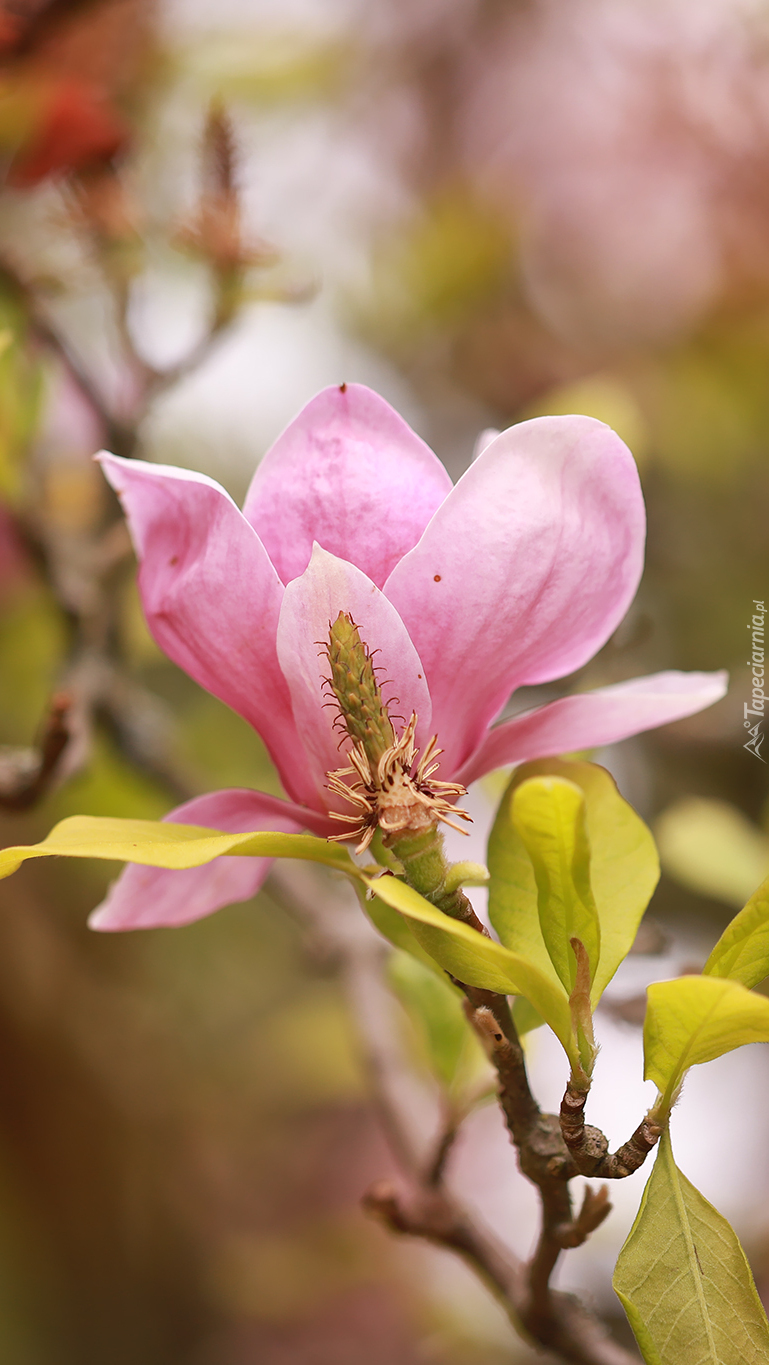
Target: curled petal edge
{"type": "Point", "coordinates": [590, 720]}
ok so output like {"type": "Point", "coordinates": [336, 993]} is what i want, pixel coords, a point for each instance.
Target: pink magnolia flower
{"type": "Point", "coordinates": [515, 576]}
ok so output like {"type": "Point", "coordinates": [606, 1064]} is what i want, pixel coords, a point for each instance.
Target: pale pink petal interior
{"type": "Point", "coordinates": [211, 597]}
{"type": "Point", "coordinates": [311, 603]}
{"type": "Point", "coordinates": [350, 474]}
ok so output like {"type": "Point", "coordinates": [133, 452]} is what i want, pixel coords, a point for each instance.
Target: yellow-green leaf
{"type": "Point", "coordinates": [454, 1052]}
{"type": "Point", "coordinates": [392, 926]}
{"type": "Point", "coordinates": [742, 952]}
{"type": "Point", "coordinates": [466, 874]}
{"type": "Point", "coordinates": [477, 960]}
{"type": "Point", "coordinates": [624, 870]}
{"type": "Point", "coordinates": [548, 814]}
{"type": "Point", "coordinates": [684, 1281]}
{"type": "Point", "coordinates": [160, 843]}
{"type": "Point", "coordinates": [525, 1017]}
{"type": "Point", "coordinates": [695, 1019]}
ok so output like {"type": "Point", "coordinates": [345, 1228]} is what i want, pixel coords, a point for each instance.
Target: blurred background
{"type": "Point", "coordinates": [487, 210]}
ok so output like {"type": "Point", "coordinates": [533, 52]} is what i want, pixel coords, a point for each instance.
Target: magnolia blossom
{"type": "Point", "coordinates": [515, 576]}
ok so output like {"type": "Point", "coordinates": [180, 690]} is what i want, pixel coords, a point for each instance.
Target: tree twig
{"type": "Point", "coordinates": [419, 1203]}
{"type": "Point", "coordinates": [589, 1148]}
{"type": "Point", "coordinates": [437, 1216]}
{"type": "Point", "coordinates": [436, 1168]}
{"type": "Point", "coordinates": [119, 434]}
{"type": "Point", "coordinates": [26, 775]}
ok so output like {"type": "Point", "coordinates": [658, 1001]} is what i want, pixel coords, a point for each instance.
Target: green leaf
{"type": "Point", "coordinates": [624, 870]}
{"type": "Point", "coordinates": [742, 952]}
{"type": "Point", "coordinates": [392, 926]}
{"type": "Point", "coordinates": [159, 843]}
{"type": "Point", "coordinates": [525, 1017]}
{"type": "Point", "coordinates": [454, 1052]}
{"type": "Point", "coordinates": [710, 847]}
{"type": "Point", "coordinates": [695, 1019]}
{"type": "Point", "coordinates": [466, 874]}
{"type": "Point", "coordinates": [548, 813]}
{"type": "Point", "coordinates": [477, 960]}
{"type": "Point", "coordinates": [684, 1281]}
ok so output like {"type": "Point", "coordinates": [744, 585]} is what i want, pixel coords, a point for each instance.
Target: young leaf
{"type": "Point", "coordinates": [525, 1017]}
{"type": "Point", "coordinates": [742, 952]}
{"type": "Point", "coordinates": [395, 929]}
{"type": "Point", "coordinates": [479, 961]}
{"type": "Point", "coordinates": [694, 1019]}
{"type": "Point", "coordinates": [684, 1281]}
{"type": "Point", "coordinates": [548, 813]}
{"type": "Point", "coordinates": [454, 1052]}
{"type": "Point", "coordinates": [160, 843]}
{"type": "Point", "coordinates": [623, 870]}
{"type": "Point", "coordinates": [466, 874]}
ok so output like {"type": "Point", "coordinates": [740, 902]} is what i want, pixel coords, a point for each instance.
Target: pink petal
{"type": "Point", "coordinates": [484, 439]}
{"type": "Point", "coordinates": [148, 897]}
{"type": "Point", "coordinates": [591, 719]}
{"type": "Point", "coordinates": [311, 603]}
{"type": "Point", "coordinates": [350, 474]}
{"type": "Point", "coordinates": [524, 571]}
{"type": "Point", "coordinates": [211, 597]}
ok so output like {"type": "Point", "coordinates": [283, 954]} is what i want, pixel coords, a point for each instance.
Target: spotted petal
{"type": "Point", "coordinates": [524, 571]}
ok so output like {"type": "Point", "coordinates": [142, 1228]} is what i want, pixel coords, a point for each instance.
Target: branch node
{"type": "Point", "coordinates": [589, 1147]}
{"type": "Point", "coordinates": [495, 1044]}
{"type": "Point", "coordinates": [595, 1208]}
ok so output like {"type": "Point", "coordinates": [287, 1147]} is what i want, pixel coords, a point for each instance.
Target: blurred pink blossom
{"type": "Point", "coordinates": [629, 140]}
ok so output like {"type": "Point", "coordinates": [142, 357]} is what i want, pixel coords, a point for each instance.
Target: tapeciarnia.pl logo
{"type": "Point", "coordinates": [758, 698]}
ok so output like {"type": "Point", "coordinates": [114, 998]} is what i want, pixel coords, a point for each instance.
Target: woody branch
{"type": "Point", "coordinates": [419, 1202]}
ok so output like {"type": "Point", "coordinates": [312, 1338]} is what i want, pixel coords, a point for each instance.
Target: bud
{"type": "Point", "coordinates": [216, 231]}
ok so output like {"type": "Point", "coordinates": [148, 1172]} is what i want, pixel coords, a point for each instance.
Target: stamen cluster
{"type": "Point", "coordinates": [393, 791]}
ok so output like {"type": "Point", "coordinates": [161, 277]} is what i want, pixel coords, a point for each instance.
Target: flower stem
{"type": "Point", "coordinates": [425, 867]}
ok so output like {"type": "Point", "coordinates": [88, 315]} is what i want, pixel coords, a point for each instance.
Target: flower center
{"type": "Point", "coordinates": [393, 792]}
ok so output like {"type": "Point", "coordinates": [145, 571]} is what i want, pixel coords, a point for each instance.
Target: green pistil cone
{"type": "Point", "coordinates": [356, 689]}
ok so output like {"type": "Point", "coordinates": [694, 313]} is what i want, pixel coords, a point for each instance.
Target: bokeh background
{"type": "Point", "coordinates": [487, 210]}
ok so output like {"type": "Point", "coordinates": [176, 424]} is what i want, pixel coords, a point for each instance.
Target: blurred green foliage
{"type": "Point", "coordinates": [21, 391]}
{"type": "Point", "coordinates": [33, 640]}
{"type": "Point", "coordinates": [455, 256]}
{"type": "Point", "coordinates": [712, 848]}
{"type": "Point", "coordinates": [268, 69]}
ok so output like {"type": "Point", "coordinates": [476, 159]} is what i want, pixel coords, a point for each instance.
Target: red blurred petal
{"type": "Point", "coordinates": [77, 128]}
